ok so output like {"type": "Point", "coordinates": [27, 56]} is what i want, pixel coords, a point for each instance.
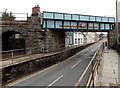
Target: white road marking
{"type": "Point", "coordinates": [75, 64]}
{"type": "Point", "coordinates": [55, 81]}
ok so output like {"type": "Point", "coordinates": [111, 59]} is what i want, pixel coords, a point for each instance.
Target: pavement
{"type": "Point", "coordinates": [21, 59]}
{"type": "Point", "coordinates": [108, 70]}
{"type": "Point", "coordinates": [17, 60]}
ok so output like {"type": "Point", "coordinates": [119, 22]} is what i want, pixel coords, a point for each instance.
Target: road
{"type": "Point", "coordinates": [66, 73]}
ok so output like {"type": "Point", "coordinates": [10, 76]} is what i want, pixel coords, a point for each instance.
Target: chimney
{"type": "Point", "coordinates": [36, 9]}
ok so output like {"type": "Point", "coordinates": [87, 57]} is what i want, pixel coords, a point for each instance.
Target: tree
{"type": "Point", "coordinates": [7, 16]}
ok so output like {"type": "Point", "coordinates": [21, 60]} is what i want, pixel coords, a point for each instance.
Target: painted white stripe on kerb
{"type": "Point", "coordinates": [75, 64]}
{"type": "Point", "coordinates": [55, 80]}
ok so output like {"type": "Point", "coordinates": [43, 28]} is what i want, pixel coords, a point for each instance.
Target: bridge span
{"type": "Point", "coordinates": [78, 22]}
{"type": "Point", "coordinates": [47, 32]}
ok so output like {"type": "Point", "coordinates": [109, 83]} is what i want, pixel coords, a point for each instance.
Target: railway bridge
{"type": "Point", "coordinates": [46, 33]}
{"type": "Point", "coordinates": [41, 34]}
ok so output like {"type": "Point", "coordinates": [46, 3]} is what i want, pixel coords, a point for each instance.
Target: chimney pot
{"type": "Point", "coordinates": [36, 9]}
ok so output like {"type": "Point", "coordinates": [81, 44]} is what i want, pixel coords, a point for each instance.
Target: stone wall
{"type": "Point", "coordinates": [37, 39]}
{"type": "Point", "coordinates": [14, 72]}
{"type": "Point", "coordinates": [43, 40]}
{"type": "Point", "coordinates": [55, 40]}
{"type": "Point", "coordinates": [112, 39]}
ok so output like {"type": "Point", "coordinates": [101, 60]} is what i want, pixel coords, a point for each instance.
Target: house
{"type": "Point", "coordinates": [74, 38]}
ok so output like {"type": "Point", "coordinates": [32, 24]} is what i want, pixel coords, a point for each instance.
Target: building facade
{"type": "Point", "coordinates": [91, 37]}
{"type": "Point", "coordinates": [74, 38]}
{"type": "Point", "coordinates": [79, 38]}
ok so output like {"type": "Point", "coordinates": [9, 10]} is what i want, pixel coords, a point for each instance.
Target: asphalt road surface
{"type": "Point", "coordinates": [67, 73]}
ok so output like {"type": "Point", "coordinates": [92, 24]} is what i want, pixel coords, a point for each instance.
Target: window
{"type": "Point", "coordinates": [90, 25]}
{"type": "Point", "coordinates": [70, 40]}
{"type": "Point", "coordinates": [111, 19]}
{"type": "Point", "coordinates": [79, 41]}
{"type": "Point", "coordinates": [58, 16]}
{"type": "Point", "coordinates": [50, 24]}
{"type": "Point", "coordinates": [85, 18]}
{"type": "Point", "coordinates": [102, 26]}
{"type": "Point", "coordinates": [104, 19]}
{"type": "Point", "coordinates": [48, 15]}
{"type": "Point", "coordinates": [75, 40]}
{"type": "Point", "coordinates": [98, 19]}
{"type": "Point", "coordinates": [96, 25]}
{"type": "Point", "coordinates": [58, 24]}
{"type": "Point", "coordinates": [107, 26]}
{"type": "Point", "coordinates": [66, 25]}
{"type": "Point", "coordinates": [75, 17]}
{"type": "Point", "coordinates": [75, 34]}
{"type": "Point", "coordinates": [73, 25]}
{"type": "Point", "coordinates": [79, 34]}
{"type": "Point", "coordinates": [92, 18]}
{"type": "Point", "coordinates": [67, 17]}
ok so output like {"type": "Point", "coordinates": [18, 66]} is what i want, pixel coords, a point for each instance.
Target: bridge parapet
{"type": "Point", "coordinates": [53, 20]}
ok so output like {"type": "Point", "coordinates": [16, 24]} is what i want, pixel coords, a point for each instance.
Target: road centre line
{"type": "Point", "coordinates": [83, 74]}
{"type": "Point", "coordinates": [75, 64]}
{"type": "Point", "coordinates": [38, 72]}
{"type": "Point", "coordinates": [55, 81]}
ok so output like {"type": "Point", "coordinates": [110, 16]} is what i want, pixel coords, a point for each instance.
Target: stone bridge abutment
{"type": "Point", "coordinates": [38, 40]}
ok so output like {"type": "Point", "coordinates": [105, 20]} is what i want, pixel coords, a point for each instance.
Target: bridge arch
{"type": "Point", "coordinates": [12, 40]}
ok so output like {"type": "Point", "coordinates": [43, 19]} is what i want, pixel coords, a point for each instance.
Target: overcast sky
{"type": "Point", "coordinates": [87, 7]}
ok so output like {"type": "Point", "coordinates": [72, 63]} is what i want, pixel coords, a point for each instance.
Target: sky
{"type": "Point", "coordinates": [86, 7]}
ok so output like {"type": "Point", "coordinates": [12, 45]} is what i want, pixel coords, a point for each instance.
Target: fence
{"type": "Point", "coordinates": [22, 55]}
{"type": "Point", "coordinates": [9, 16]}
{"type": "Point", "coordinates": [29, 51]}
{"type": "Point", "coordinates": [91, 70]}
{"type": "Point", "coordinates": [13, 53]}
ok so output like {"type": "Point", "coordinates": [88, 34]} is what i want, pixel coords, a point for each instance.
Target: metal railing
{"type": "Point", "coordinates": [20, 55]}
{"type": "Point", "coordinates": [17, 18]}
{"type": "Point", "coordinates": [15, 53]}
{"type": "Point", "coordinates": [91, 70]}
{"type": "Point", "coordinates": [29, 51]}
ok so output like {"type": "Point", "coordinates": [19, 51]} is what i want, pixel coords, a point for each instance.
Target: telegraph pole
{"type": "Point", "coordinates": [117, 23]}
